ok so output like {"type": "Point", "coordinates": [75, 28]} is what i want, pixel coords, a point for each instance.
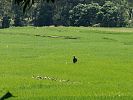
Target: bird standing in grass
{"type": "Point", "coordinates": [74, 59]}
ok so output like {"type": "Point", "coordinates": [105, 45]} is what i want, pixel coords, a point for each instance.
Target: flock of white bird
{"type": "Point", "coordinates": [38, 77]}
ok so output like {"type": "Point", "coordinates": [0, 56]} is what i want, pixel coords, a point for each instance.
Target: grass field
{"type": "Point", "coordinates": [104, 70]}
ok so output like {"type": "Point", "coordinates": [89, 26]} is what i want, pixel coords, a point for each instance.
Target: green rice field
{"type": "Point", "coordinates": [36, 63]}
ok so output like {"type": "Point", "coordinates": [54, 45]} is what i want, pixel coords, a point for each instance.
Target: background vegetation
{"type": "Point", "coordinates": [113, 13]}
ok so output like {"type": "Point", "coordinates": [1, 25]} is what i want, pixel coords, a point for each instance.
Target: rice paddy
{"type": "Point", "coordinates": [36, 63]}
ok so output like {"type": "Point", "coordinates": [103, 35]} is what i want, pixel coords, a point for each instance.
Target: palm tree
{"type": "Point", "coordinates": [28, 3]}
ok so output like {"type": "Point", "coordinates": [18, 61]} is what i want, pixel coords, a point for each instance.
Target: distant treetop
{"type": "Point", "coordinates": [28, 3]}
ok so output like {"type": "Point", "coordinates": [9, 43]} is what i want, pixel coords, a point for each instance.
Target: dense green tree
{"type": "Point", "coordinates": [5, 7]}
{"type": "Point", "coordinates": [45, 15]}
{"type": "Point", "coordinates": [123, 14]}
{"type": "Point", "coordinates": [5, 13]}
{"type": "Point", "coordinates": [6, 21]}
{"type": "Point", "coordinates": [18, 15]}
{"type": "Point", "coordinates": [110, 13]}
{"type": "Point", "coordinates": [114, 15]}
{"type": "Point", "coordinates": [118, 14]}
{"type": "Point", "coordinates": [28, 3]}
{"type": "Point", "coordinates": [84, 15]}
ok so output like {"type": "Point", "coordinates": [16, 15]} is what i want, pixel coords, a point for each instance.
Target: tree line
{"type": "Point", "coordinates": [96, 13]}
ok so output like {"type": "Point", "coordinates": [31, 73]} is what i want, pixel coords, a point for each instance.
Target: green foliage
{"type": "Point", "coordinates": [108, 15]}
{"type": "Point", "coordinates": [18, 21]}
{"type": "Point", "coordinates": [114, 15]}
{"type": "Point", "coordinates": [6, 22]}
{"type": "Point", "coordinates": [5, 8]}
{"type": "Point", "coordinates": [28, 3]}
{"type": "Point", "coordinates": [18, 14]}
{"type": "Point", "coordinates": [84, 15]}
{"type": "Point", "coordinates": [117, 14]}
{"type": "Point", "coordinates": [65, 15]}
{"type": "Point", "coordinates": [44, 16]}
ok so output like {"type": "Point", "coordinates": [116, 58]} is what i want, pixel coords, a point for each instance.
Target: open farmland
{"type": "Point", "coordinates": [36, 63]}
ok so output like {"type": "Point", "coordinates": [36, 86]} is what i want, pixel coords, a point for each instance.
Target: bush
{"type": "Point", "coordinates": [18, 21]}
{"type": "Point", "coordinates": [107, 15]}
{"type": "Point", "coordinates": [84, 15]}
{"type": "Point", "coordinates": [113, 16]}
{"type": "Point", "coordinates": [6, 22]}
{"type": "Point", "coordinates": [44, 15]}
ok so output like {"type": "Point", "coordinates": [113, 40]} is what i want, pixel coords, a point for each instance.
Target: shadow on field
{"type": "Point", "coordinates": [106, 38]}
{"type": "Point", "coordinates": [116, 33]}
{"type": "Point", "coordinates": [128, 43]}
{"type": "Point", "coordinates": [6, 96]}
{"type": "Point", "coordinates": [55, 36]}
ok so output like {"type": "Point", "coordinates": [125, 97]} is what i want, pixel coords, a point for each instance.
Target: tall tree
{"type": "Point", "coordinates": [44, 16]}
{"type": "Point", "coordinates": [28, 3]}
{"type": "Point", "coordinates": [84, 15]}
{"type": "Point", "coordinates": [5, 13]}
